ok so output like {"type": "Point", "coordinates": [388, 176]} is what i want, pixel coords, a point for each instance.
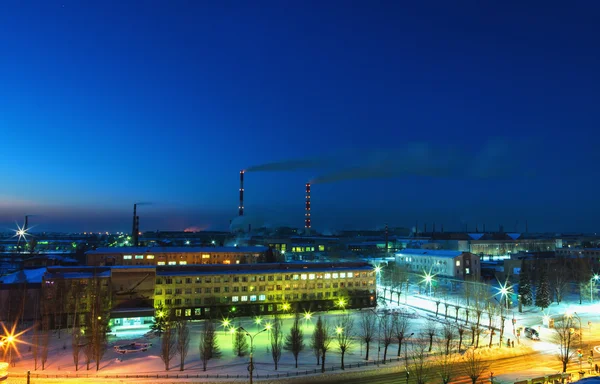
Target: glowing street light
{"type": "Point", "coordinates": [339, 330]}
{"type": "Point", "coordinates": [428, 279]}
{"type": "Point", "coordinates": [251, 366]}
{"type": "Point", "coordinates": [341, 303]}
{"type": "Point", "coordinates": [505, 290]}
{"type": "Point", "coordinates": [307, 316]}
{"type": "Point", "coordinates": [285, 306]}
{"type": "Point", "coordinates": [225, 322]}
{"type": "Point", "coordinates": [592, 280]}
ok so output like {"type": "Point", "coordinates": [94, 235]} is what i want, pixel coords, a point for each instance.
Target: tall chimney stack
{"type": "Point", "coordinates": [241, 207]}
{"type": "Point", "coordinates": [134, 230]}
{"type": "Point", "coordinates": [386, 237]}
{"type": "Point", "coordinates": [136, 241]}
{"type": "Point", "coordinates": [307, 210]}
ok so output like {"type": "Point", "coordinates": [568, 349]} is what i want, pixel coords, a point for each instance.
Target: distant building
{"type": "Point", "coordinates": [450, 264]}
{"type": "Point", "coordinates": [175, 255]}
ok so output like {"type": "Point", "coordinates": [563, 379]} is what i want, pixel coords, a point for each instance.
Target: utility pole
{"type": "Point", "coordinates": [251, 365]}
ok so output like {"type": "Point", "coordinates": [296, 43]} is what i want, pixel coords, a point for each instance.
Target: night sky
{"type": "Point", "coordinates": [454, 112]}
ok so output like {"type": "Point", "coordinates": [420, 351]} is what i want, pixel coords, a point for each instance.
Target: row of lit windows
{"type": "Point", "coordinates": [254, 278]}
{"type": "Point", "coordinates": [261, 288]}
{"type": "Point", "coordinates": [245, 298]}
{"type": "Point", "coordinates": [204, 256]}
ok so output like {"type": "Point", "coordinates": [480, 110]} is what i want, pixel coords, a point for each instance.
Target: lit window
{"type": "Point", "coordinates": [139, 257]}
{"type": "Point", "coordinates": [311, 276]}
{"type": "Point", "coordinates": [253, 298]}
{"type": "Point", "coordinates": [244, 298]}
{"type": "Point", "coordinates": [467, 271]}
{"type": "Point", "coordinates": [226, 262]}
{"type": "Point", "coordinates": [321, 248]}
{"type": "Point", "coordinates": [235, 298]}
{"type": "Point", "coordinates": [350, 274]}
{"type": "Point", "coordinates": [150, 257]}
{"type": "Point", "coordinates": [127, 257]}
{"type": "Point", "coordinates": [182, 262]}
{"type": "Point", "coordinates": [342, 275]}
{"type": "Point", "coordinates": [328, 275]}
{"type": "Point", "coordinates": [262, 297]}
{"type": "Point", "coordinates": [172, 262]}
{"type": "Point", "coordinates": [335, 275]}
{"type": "Point", "coordinates": [303, 276]}
{"type": "Point", "coordinates": [458, 263]}
{"type": "Point", "coordinates": [188, 312]}
{"type": "Point", "coordinates": [205, 256]}
{"type": "Point", "coordinates": [161, 263]}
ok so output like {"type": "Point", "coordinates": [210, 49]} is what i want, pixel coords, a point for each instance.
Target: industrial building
{"type": "Point", "coordinates": [196, 292]}
{"type": "Point", "coordinates": [175, 255]}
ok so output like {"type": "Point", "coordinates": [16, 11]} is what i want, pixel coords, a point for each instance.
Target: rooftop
{"type": "Point", "coordinates": [156, 250]}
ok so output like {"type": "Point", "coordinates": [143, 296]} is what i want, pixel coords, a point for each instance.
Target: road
{"type": "Point", "coordinates": [505, 365]}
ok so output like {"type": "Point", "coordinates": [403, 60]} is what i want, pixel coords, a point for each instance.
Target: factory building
{"type": "Point", "coordinates": [130, 294]}
{"type": "Point", "coordinates": [175, 255]}
{"type": "Point", "coordinates": [457, 265]}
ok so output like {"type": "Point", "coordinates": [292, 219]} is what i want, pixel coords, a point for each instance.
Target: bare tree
{"type": "Point", "coordinates": [445, 364]}
{"type": "Point", "coordinates": [565, 340]}
{"type": "Point", "coordinates": [88, 350]}
{"type": "Point", "coordinates": [345, 333]}
{"type": "Point", "coordinates": [449, 335]}
{"type": "Point", "coordinates": [430, 331]}
{"type": "Point", "coordinates": [45, 336]}
{"type": "Point", "coordinates": [420, 365]}
{"type": "Point", "coordinates": [323, 338]}
{"type": "Point", "coordinates": [35, 345]}
{"type": "Point", "coordinates": [492, 310]}
{"type": "Point", "coordinates": [387, 332]}
{"type": "Point", "coordinates": [76, 346]}
{"type": "Point", "coordinates": [461, 333]}
{"type": "Point", "coordinates": [561, 284]}
{"type": "Point", "coordinates": [98, 317]}
{"type": "Point", "coordinates": [473, 365]}
{"type": "Point", "coordinates": [368, 327]}
{"type": "Point", "coordinates": [401, 328]}
{"type": "Point", "coordinates": [209, 348]}
{"type": "Point", "coordinates": [315, 343]}
{"type": "Point", "coordinates": [183, 341]}
{"type": "Point", "coordinates": [276, 339]}
{"type": "Point", "coordinates": [240, 344]}
{"type": "Point", "coordinates": [294, 341]}
{"type": "Point", "coordinates": [502, 324]}
{"type": "Point", "coordinates": [167, 345]}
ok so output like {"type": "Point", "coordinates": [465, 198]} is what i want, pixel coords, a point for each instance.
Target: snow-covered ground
{"type": "Point", "coordinates": [148, 363]}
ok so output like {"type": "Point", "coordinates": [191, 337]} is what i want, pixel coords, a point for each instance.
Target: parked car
{"type": "Point", "coordinates": [531, 333]}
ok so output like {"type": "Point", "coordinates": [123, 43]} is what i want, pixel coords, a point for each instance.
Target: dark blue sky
{"type": "Point", "coordinates": [110, 102]}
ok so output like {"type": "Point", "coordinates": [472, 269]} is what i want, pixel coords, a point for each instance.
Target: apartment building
{"type": "Point", "coordinates": [450, 264]}
{"type": "Point", "coordinates": [196, 292]}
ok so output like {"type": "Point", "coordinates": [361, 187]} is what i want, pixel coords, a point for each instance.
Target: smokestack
{"type": "Point", "coordinates": [241, 207]}
{"type": "Point", "coordinates": [137, 231]}
{"type": "Point", "coordinates": [134, 230]}
{"type": "Point", "coordinates": [307, 209]}
{"type": "Point", "coordinates": [26, 225]}
{"type": "Point", "coordinates": [386, 238]}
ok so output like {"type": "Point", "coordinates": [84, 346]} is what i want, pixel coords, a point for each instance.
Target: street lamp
{"type": "Point", "coordinates": [505, 290]}
{"type": "Point", "coordinates": [257, 321]}
{"type": "Point", "coordinates": [592, 280]}
{"type": "Point", "coordinates": [378, 334]}
{"type": "Point", "coordinates": [251, 366]}
{"type": "Point", "coordinates": [428, 279]}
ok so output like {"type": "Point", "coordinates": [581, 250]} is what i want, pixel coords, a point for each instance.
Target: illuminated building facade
{"type": "Point", "coordinates": [175, 255]}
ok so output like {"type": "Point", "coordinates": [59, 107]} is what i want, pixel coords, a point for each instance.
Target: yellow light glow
{"type": "Point", "coordinates": [258, 320]}
{"type": "Point", "coordinates": [307, 315]}
{"type": "Point", "coordinates": [339, 330]}
{"type": "Point", "coordinates": [286, 306]}
{"type": "Point", "coordinates": [225, 323]}
{"type": "Point", "coordinates": [268, 326]}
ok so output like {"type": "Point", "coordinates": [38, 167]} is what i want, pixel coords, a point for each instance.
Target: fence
{"type": "Point", "coordinates": [202, 376]}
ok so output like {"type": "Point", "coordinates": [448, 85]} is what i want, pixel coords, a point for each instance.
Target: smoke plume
{"type": "Point", "coordinates": [495, 159]}
{"type": "Point", "coordinates": [293, 165]}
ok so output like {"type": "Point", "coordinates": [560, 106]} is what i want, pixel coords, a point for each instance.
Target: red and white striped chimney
{"type": "Point", "coordinates": [241, 206]}
{"type": "Point", "coordinates": [307, 209]}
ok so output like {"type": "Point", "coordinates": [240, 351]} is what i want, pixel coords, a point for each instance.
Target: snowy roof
{"type": "Point", "coordinates": [430, 252]}
{"type": "Point", "coordinates": [157, 250]}
{"type": "Point", "coordinates": [31, 276]}
{"type": "Point", "coordinates": [476, 236]}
